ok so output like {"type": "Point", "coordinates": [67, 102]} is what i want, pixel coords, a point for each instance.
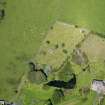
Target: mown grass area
{"type": "Point", "coordinates": [25, 26]}
{"type": "Point", "coordinates": [59, 44]}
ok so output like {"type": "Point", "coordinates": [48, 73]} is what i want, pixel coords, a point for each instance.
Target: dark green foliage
{"type": "Point", "coordinates": [2, 9]}
{"type": "Point", "coordinates": [56, 46]}
{"type": "Point", "coordinates": [51, 27]}
{"type": "Point", "coordinates": [57, 96]}
{"type": "Point", "coordinates": [63, 44]}
{"type": "Point", "coordinates": [76, 26]}
{"type": "Point", "coordinates": [2, 13]}
{"type": "Point", "coordinates": [48, 42]}
{"type": "Point", "coordinates": [65, 51]}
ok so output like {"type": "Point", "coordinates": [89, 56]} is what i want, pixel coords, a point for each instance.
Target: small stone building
{"type": "Point", "coordinates": [98, 86]}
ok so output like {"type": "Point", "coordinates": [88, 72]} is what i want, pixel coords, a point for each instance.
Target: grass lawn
{"type": "Point", "coordinates": [24, 28]}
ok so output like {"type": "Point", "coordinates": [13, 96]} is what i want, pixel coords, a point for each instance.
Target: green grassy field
{"type": "Point", "coordinates": [59, 44]}
{"type": "Point", "coordinates": [24, 28]}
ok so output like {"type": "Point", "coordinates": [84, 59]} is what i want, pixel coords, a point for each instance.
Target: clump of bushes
{"type": "Point", "coordinates": [64, 51]}
{"type": "Point", "coordinates": [2, 9]}
{"type": "Point", "coordinates": [76, 26]}
{"type": "Point", "coordinates": [48, 42]}
{"type": "Point", "coordinates": [2, 13]}
{"type": "Point", "coordinates": [63, 44]}
{"type": "Point", "coordinates": [51, 27]}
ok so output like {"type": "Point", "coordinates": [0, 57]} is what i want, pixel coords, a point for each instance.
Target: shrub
{"type": "Point", "coordinates": [56, 46]}
{"type": "Point", "coordinates": [63, 44]}
{"type": "Point", "coordinates": [65, 51]}
{"type": "Point", "coordinates": [48, 42]}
